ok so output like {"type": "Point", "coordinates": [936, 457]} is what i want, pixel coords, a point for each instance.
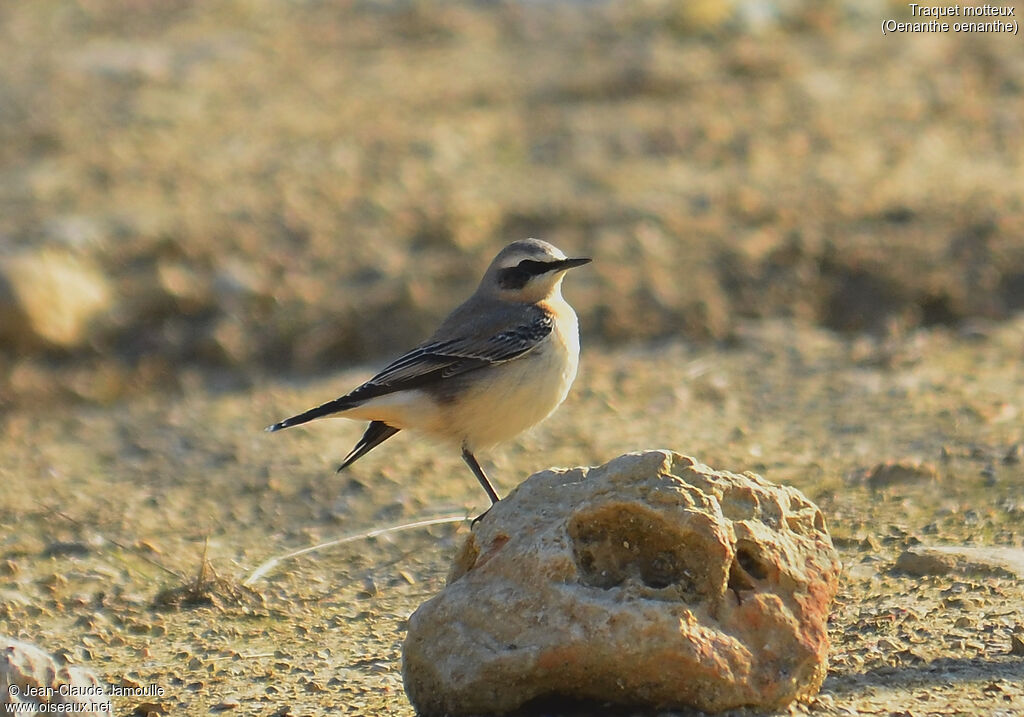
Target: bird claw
{"type": "Point", "coordinates": [479, 518]}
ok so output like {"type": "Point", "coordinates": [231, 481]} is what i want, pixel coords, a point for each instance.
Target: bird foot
{"type": "Point", "coordinates": [479, 518]}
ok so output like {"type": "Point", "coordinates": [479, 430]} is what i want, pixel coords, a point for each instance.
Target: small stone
{"type": "Point", "coordinates": [869, 545]}
{"type": "Point", "coordinates": [1017, 645]}
{"type": "Point", "coordinates": [900, 472]}
{"type": "Point", "coordinates": [923, 562]}
{"type": "Point", "coordinates": [1014, 454]}
{"type": "Point", "coordinates": [651, 581]}
{"type": "Point", "coordinates": [823, 702]}
{"type": "Point", "coordinates": [14, 597]}
{"type": "Point", "coordinates": [64, 548]}
{"type": "Point", "coordinates": [50, 297]}
{"type": "Point", "coordinates": [994, 561]}
{"type": "Point", "coordinates": [369, 588]}
{"type": "Point", "coordinates": [30, 676]}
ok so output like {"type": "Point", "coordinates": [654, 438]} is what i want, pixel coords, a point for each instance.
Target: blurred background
{"type": "Point", "coordinates": [216, 193]}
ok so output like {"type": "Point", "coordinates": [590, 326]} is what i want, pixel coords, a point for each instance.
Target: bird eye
{"type": "Point", "coordinates": [514, 277]}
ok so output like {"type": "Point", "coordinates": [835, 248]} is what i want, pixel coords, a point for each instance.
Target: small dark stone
{"type": "Point", "coordinates": [61, 549]}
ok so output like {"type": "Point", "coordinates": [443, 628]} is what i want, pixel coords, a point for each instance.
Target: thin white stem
{"type": "Point", "coordinates": [269, 565]}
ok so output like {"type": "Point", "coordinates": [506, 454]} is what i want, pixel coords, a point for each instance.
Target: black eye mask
{"type": "Point", "coordinates": [516, 277]}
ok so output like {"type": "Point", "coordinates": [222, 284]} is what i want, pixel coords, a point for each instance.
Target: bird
{"type": "Point", "coordinates": [500, 363]}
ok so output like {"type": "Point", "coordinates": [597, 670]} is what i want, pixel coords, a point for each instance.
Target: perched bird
{"type": "Point", "coordinates": [500, 363]}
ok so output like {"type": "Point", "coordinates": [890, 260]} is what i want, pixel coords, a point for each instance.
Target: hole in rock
{"type": "Point", "coordinates": [739, 580]}
{"type": "Point", "coordinates": [819, 521]}
{"type": "Point", "coordinates": [750, 563]}
{"type": "Point", "coordinates": [618, 544]}
{"type": "Point", "coordinates": [796, 524]}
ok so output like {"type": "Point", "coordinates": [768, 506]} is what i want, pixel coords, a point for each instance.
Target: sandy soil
{"type": "Point", "coordinates": [106, 509]}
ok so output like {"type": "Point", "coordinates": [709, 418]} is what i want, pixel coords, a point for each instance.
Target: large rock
{"type": "Point", "coordinates": [652, 580]}
{"type": "Point", "coordinates": [31, 679]}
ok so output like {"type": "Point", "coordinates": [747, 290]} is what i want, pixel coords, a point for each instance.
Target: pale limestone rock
{"type": "Point", "coordinates": [50, 297]}
{"type": "Point", "coordinates": [30, 678]}
{"type": "Point", "coordinates": [652, 580]}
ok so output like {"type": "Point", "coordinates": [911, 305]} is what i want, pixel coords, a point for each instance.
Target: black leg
{"type": "Point", "coordinates": [479, 473]}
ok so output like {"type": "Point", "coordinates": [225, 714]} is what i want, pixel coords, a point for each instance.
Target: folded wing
{"type": "Point", "coordinates": [437, 360]}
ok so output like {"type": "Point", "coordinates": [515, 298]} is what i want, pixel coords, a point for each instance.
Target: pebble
{"type": "Point", "coordinates": [900, 472]}
{"type": "Point", "coordinates": [992, 561]}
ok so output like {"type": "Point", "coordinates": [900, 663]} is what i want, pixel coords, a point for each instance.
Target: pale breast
{"type": "Point", "coordinates": [501, 402]}
{"type": "Point", "coordinates": [481, 408]}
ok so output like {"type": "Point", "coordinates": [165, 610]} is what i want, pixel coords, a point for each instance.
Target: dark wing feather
{"type": "Point", "coordinates": [435, 360]}
{"type": "Point", "coordinates": [376, 433]}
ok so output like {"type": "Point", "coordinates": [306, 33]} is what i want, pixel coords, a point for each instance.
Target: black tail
{"type": "Point", "coordinates": [376, 433]}
{"type": "Point", "coordinates": [324, 409]}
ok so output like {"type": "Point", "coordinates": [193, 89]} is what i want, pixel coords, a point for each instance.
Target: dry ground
{"type": "Point", "coordinates": [102, 505]}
